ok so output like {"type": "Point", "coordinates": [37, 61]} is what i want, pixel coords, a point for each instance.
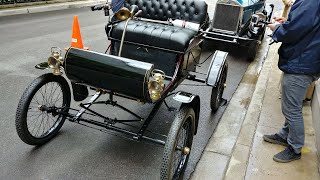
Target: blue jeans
{"type": "Point", "coordinates": [294, 88]}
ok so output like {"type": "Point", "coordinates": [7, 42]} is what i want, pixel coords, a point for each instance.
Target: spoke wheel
{"type": "Point", "coordinates": [179, 142]}
{"type": "Point", "coordinates": [217, 92]}
{"type": "Point", "coordinates": [37, 117]}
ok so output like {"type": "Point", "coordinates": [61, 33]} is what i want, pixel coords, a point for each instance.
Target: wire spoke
{"type": "Point", "coordinates": [57, 85]}
{"type": "Point", "coordinates": [35, 122]}
{"type": "Point", "coordinates": [42, 123]}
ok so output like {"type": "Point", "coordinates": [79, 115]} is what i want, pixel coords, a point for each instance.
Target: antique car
{"type": "Point", "coordinates": [155, 46]}
{"type": "Point", "coordinates": [240, 22]}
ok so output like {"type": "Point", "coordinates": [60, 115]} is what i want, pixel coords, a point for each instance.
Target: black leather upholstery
{"type": "Point", "coordinates": [188, 10]}
{"type": "Point", "coordinates": [160, 35]}
{"type": "Point", "coordinates": [154, 34]}
{"type": "Point", "coordinates": [164, 60]}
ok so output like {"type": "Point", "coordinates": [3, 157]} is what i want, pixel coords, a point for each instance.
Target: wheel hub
{"type": "Point", "coordinates": [52, 109]}
{"type": "Point", "coordinates": [42, 108]}
{"type": "Point", "coordinates": [186, 150]}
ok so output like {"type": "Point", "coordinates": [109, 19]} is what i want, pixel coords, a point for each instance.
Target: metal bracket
{"type": "Point", "coordinates": [183, 97]}
{"type": "Point", "coordinates": [90, 102]}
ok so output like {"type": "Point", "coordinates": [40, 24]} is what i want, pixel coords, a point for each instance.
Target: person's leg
{"type": "Point", "coordinates": [284, 131]}
{"type": "Point", "coordinates": [282, 135]}
{"type": "Point", "coordinates": [294, 89]}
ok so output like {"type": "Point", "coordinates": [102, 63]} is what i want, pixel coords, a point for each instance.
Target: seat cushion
{"type": "Point", "coordinates": [154, 34]}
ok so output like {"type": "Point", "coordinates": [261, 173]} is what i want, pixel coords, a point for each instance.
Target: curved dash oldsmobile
{"type": "Point", "coordinates": [155, 45]}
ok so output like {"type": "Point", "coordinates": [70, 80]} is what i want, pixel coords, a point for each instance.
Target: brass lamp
{"type": "Point", "coordinates": [156, 85]}
{"type": "Point", "coordinates": [55, 60]}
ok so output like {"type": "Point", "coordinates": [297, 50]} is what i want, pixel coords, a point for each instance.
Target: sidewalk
{"type": "Point", "coordinates": [247, 156]}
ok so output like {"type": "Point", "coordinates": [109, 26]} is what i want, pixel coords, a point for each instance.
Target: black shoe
{"type": "Point", "coordinates": [276, 139]}
{"type": "Point", "coordinates": [286, 155]}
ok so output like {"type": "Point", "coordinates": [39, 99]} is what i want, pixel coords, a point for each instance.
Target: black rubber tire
{"type": "Point", "coordinates": [186, 115]}
{"type": "Point", "coordinates": [21, 121]}
{"type": "Point", "coordinates": [252, 51]}
{"type": "Point", "coordinates": [217, 92]}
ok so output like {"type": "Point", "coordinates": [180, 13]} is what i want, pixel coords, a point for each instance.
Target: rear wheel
{"type": "Point", "coordinates": [217, 92]}
{"type": "Point", "coordinates": [178, 145]}
{"type": "Point", "coordinates": [37, 118]}
{"type": "Point", "coordinates": [252, 51]}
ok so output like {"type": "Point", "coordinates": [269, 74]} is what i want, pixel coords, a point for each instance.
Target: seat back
{"type": "Point", "coordinates": [188, 10]}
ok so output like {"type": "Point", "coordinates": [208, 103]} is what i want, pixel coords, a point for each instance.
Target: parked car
{"type": "Point", "coordinates": [240, 22]}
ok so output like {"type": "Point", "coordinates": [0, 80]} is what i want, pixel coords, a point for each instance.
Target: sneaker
{"type": "Point", "coordinates": [286, 155]}
{"type": "Point", "coordinates": [275, 139]}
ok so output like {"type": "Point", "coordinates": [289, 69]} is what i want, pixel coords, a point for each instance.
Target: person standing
{"type": "Point", "coordinates": [299, 59]}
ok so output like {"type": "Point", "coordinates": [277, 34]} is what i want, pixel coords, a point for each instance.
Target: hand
{"type": "Point", "coordinates": [288, 2]}
{"type": "Point", "coordinates": [273, 25]}
{"type": "Point", "coordinates": [279, 19]}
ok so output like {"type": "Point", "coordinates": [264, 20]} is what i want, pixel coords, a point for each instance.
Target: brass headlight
{"type": "Point", "coordinates": [55, 60]}
{"type": "Point", "coordinates": [156, 85]}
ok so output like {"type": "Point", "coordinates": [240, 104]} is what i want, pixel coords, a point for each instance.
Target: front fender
{"type": "Point", "coordinates": [80, 92]}
{"type": "Point", "coordinates": [42, 66]}
{"type": "Point", "coordinates": [191, 100]}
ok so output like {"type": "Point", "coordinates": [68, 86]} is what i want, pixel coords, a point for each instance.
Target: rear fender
{"type": "Point", "coordinates": [190, 100]}
{"type": "Point", "coordinates": [215, 69]}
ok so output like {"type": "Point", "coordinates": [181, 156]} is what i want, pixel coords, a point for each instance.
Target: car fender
{"type": "Point", "coordinates": [190, 100]}
{"type": "Point", "coordinates": [215, 69]}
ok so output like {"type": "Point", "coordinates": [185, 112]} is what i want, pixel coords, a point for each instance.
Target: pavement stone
{"type": "Point", "coordinates": [238, 162]}
{"type": "Point", "coordinates": [316, 116]}
{"type": "Point", "coordinates": [206, 169]}
{"type": "Point", "coordinates": [246, 134]}
{"type": "Point", "coordinates": [262, 166]}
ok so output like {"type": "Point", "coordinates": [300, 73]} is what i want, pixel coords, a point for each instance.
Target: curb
{"type": "Point", "coordinates": [239, 160]}
{"type": "Point", "coordinates": [215, 159]}
{"type": "Point", "coordinates": [49, 7]}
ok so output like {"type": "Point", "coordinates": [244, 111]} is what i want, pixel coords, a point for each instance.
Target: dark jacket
{"type": "Point", "coordinates": [300, 37]}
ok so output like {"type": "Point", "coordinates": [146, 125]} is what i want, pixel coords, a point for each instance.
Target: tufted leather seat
{"type": "Point", "coordinates": [160, 35]}
{"type": "Point", "coordinates": [189, 10]}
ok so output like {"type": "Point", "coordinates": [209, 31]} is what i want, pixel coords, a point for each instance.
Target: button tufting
{"type": "Point", "coordinates": [189, 10]}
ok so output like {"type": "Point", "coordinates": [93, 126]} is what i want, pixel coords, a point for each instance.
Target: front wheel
{"type": "Point", "coordinates": [217, 92]}
{"type": "Point", "coordinates": [178, 145]}
{"type": "Point", "coordinates": [38, 117]}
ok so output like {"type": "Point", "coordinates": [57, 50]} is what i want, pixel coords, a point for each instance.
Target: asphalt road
{"type": "Point", "coordinates": [79, 152]}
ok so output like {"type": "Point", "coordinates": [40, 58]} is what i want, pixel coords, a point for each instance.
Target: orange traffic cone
{"type": "Point", "coordinates": [76, 34]}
